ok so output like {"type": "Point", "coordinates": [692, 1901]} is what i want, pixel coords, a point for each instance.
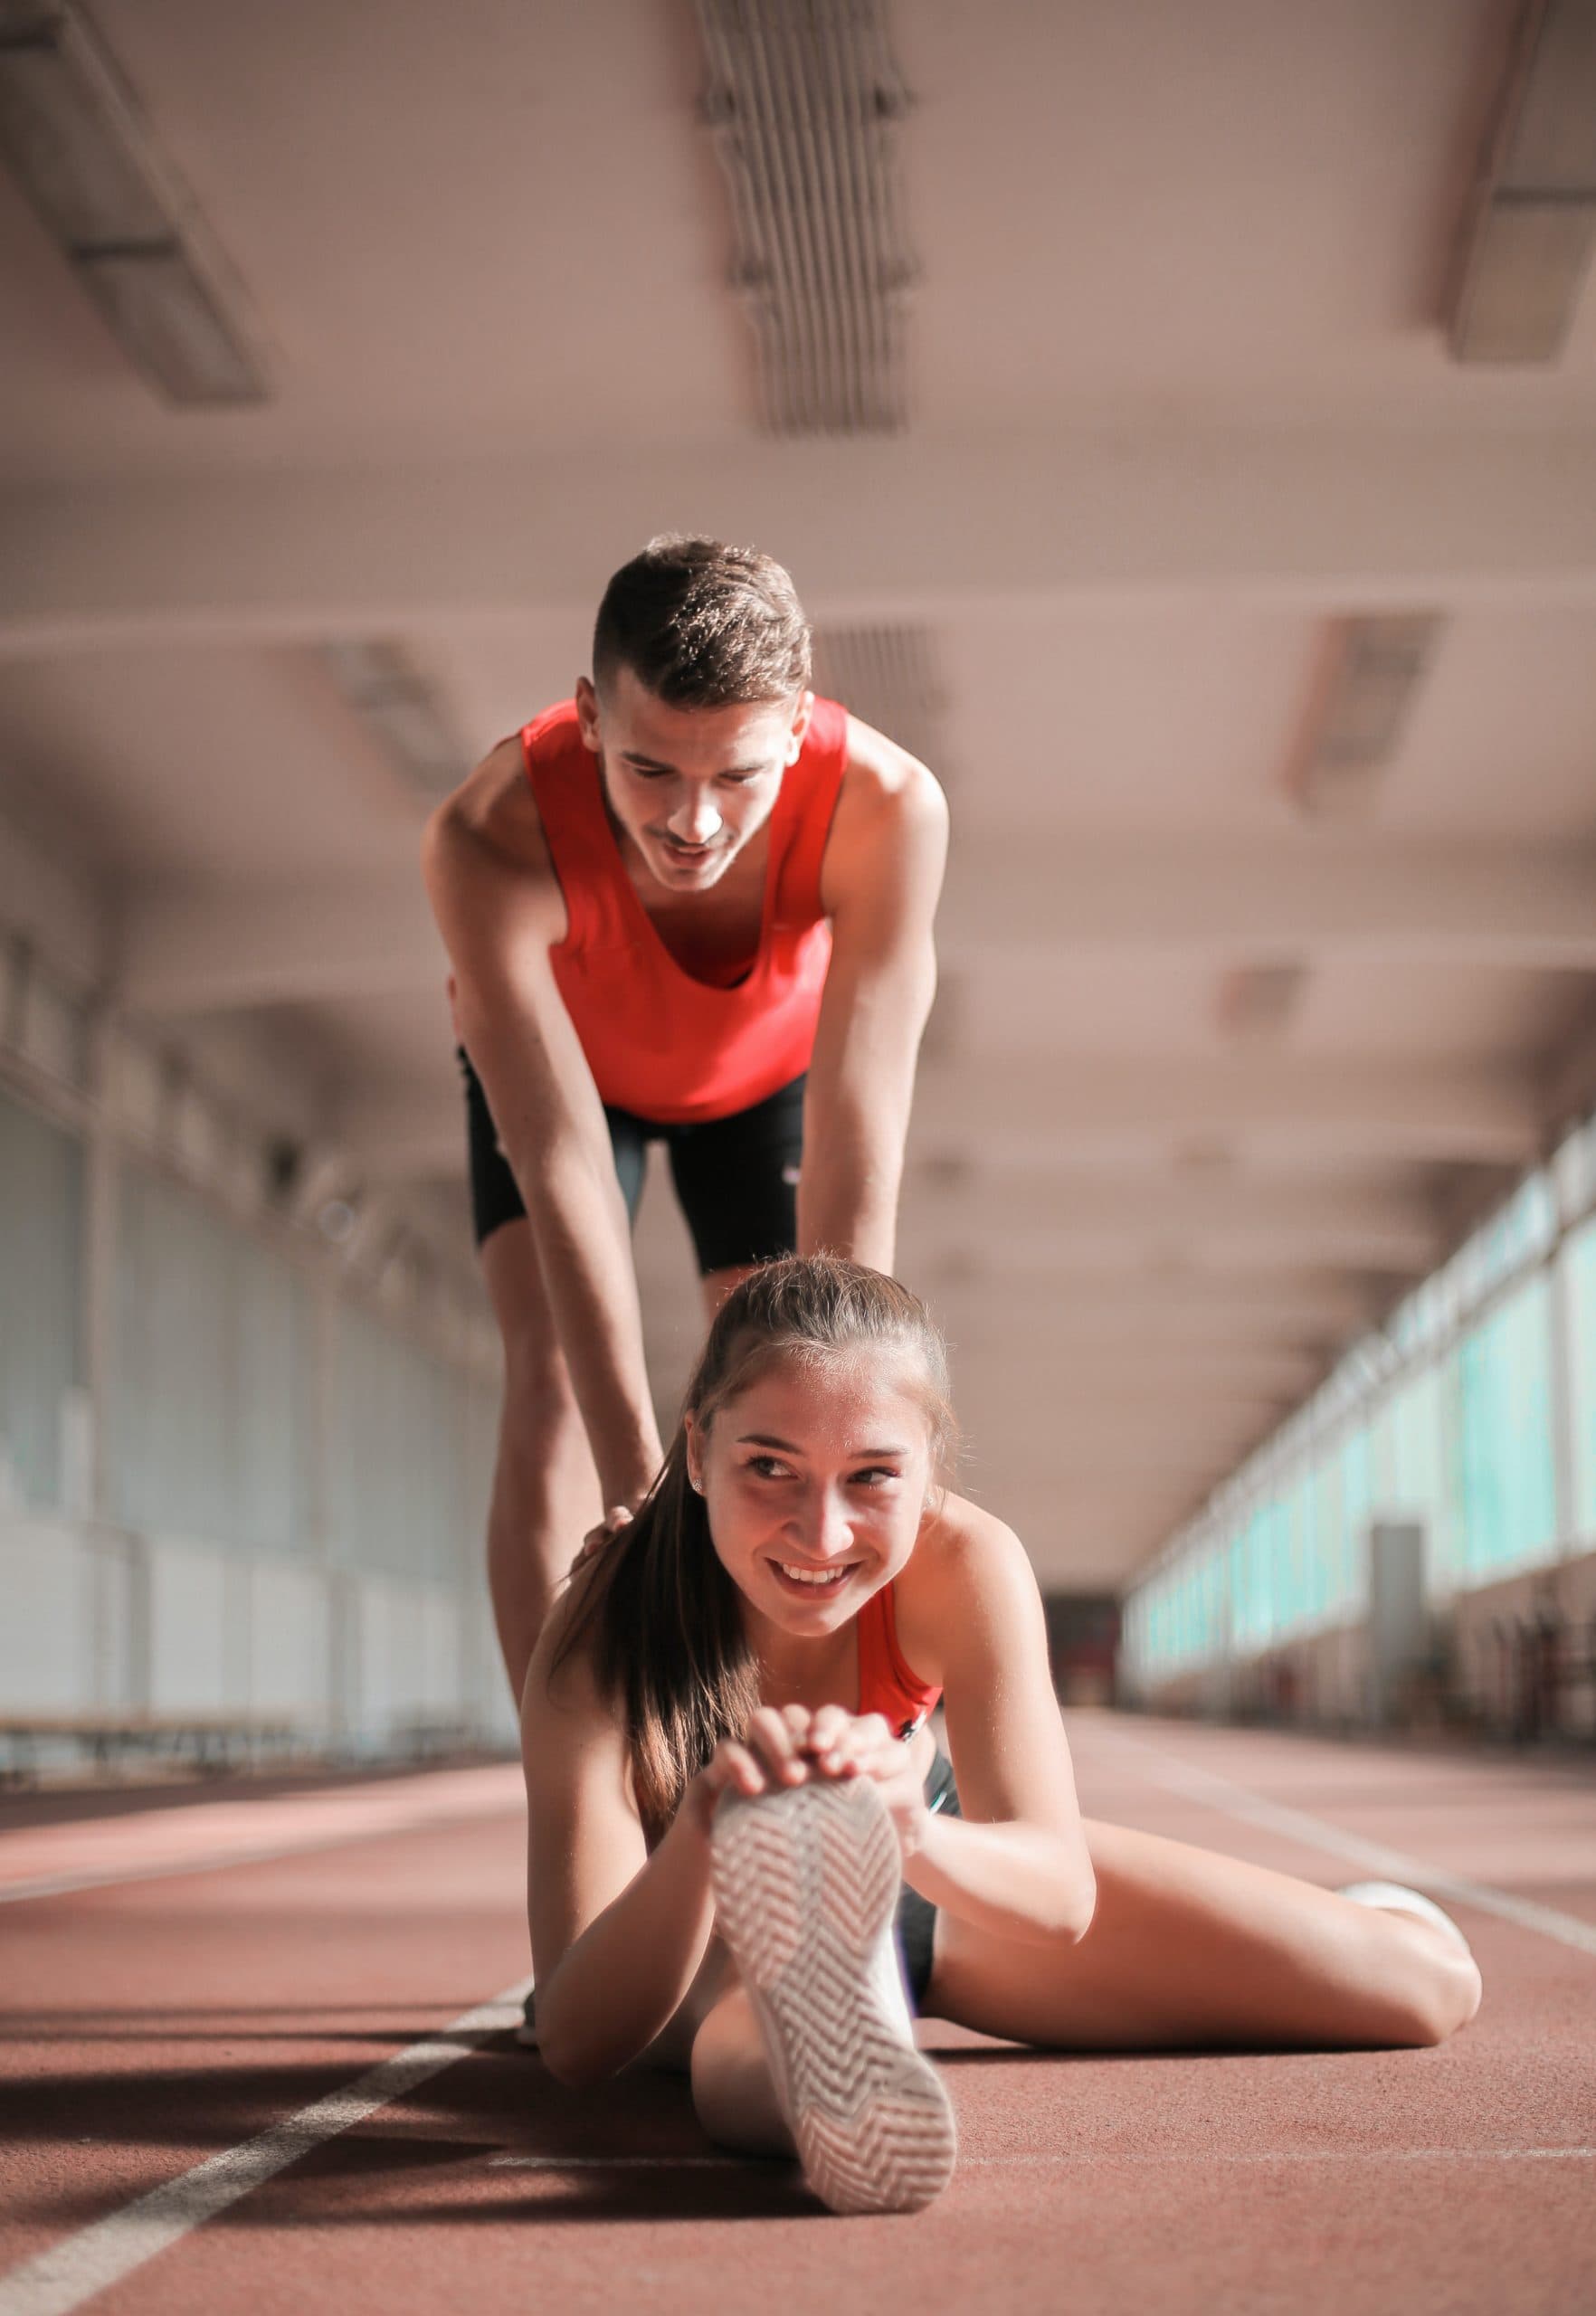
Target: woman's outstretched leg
{"type": "Point", "coordinates": [1190, 1949]}
{"type": "Point", "coordinates": [734, 2092]}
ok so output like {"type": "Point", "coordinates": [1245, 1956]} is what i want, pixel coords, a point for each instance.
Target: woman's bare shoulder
{"type": "Point", "coordinates": [968, 1564]}
{"type": "Point", "coordinates": [563, 1683]}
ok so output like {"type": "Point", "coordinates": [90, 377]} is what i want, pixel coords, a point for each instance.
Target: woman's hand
{"type": "Point", "coordinates": [845, 1744]}
{"type": "Point", "coordinates": [795, 1745]}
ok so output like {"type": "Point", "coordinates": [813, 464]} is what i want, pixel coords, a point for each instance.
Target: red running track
{"type": "Point", "coordinates": [163, 2029]}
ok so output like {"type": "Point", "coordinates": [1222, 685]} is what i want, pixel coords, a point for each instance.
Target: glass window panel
{"type": "Point", "coordinates": [41, 1293]}
{"type": "Point", "coordinates": [1578, 1259]}
{"type": "Point", "coordinates": [211, 1419]}
{"type": "Point", "coordinates": [1508, 1487]}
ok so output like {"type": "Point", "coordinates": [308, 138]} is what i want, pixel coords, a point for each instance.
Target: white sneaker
{"type": "Point", "coordinates": [1397, 1898]}
{"type": "Point", "coordinates": [806, 1884]}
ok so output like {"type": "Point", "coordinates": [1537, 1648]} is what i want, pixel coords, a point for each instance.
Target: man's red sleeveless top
{"type": "Point", "coordinates": [660, 1042]}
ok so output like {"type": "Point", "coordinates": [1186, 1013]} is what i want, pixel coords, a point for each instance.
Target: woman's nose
{"type": "Point", "coordinates": [823, 1526]}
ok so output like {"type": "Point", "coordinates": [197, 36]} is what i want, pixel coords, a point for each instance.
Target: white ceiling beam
{"type": "Point", "coordinates": [1023, 897]}
{"type": "Point", "coordinates": [1300, 1306]}
{"type": "Point", "coordinates": [1227, 1216]}
{"type": "Point", "coordinates": [1315, 893]}
{"type": "Point", "coordinates": [1056, 1110]}
{"type": "Point", "coordinates": [216, 952]}
{"type": "Point", "coordinates": [921, 527]}
{"type": "Point", "coordinates": [1053, 1108]}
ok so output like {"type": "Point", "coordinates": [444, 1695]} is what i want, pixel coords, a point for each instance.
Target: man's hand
{"type": "Point", "coordinates": [617, 1517]}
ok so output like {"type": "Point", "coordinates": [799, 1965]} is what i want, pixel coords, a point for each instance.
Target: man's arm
{"type": "Point", "coordinates": [499, 909]}
{"type": "Point", "coordinates": [880, 885]}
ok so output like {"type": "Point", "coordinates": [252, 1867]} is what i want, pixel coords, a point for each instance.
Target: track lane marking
{"type": "Point", "coordinates": [1069, 2157]}
{"type": "Point", "coordinates": [1222, 1793]}
{"type": "Point", "coordinates": [67, 2274]}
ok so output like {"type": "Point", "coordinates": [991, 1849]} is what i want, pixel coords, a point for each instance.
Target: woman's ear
{"type": "Point", "coordinates": [695, 1453]}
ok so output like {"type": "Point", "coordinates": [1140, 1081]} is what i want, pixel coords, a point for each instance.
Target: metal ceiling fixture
{"type": "Point", "coordinates": [389, 691]}
{"type": "Point", "coordinates": [1259, 1003]}
{"type": "Point", "coordinates": [1367, 681]}
{"type": "Point", "coordinates": [1531, 225]}
{"type": "Point", "coordinates": [74, 138]}
{"type": "Point", "coordinates": [888, 677]}
{"type": "Point", "coordinates": [804, 99]}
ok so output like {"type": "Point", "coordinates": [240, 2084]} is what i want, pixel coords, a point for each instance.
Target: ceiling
{"type": "Point", "coordinates": [1181, 399]}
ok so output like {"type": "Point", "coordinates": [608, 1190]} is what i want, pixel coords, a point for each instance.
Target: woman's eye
{"type": "Point", "coordinates": [876, 1473]}
{"type": "Point", "coordinates": [767, 1467]}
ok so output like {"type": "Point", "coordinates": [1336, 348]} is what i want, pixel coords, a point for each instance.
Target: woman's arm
{"type": "Point", "coordinates": [617, 1934]}
{"type": "Point", "coordinates": [1015, 1862]}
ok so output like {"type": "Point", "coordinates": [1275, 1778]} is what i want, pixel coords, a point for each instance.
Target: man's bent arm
{"type": "Point", "coordinates": [550, 1122]}
{"type": "Point", "coordinates": [881, 882]}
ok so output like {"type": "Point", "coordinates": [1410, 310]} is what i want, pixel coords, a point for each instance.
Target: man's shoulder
{"type": "Point", "coordinates": [886, 790]}
{"type": "Point", "coordinates": [495, 812]}
{"type": "Point", "coordinates": [890, 809]}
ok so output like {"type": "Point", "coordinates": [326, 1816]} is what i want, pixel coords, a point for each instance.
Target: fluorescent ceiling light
{"type": "Point", "coordinates": [1258, 1003]}
{"type": "Point", "coordinates": [386, 688]}
{"type": "Point", "coordinates": [73, 138]}
{"type": "Point", "coordinates": [1531, 225]}
{"type": "Point", "coordinates": [1369, 677]}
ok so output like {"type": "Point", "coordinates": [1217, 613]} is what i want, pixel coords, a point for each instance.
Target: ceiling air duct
{"type": "Point", "coordinates": [73, 138]}
{"type": "Point", "coordinates": [1531, 225]}
{"type": "Point", "coordinates": [887, 675]}
{"type": "Point", "coordinates": [804, 100]}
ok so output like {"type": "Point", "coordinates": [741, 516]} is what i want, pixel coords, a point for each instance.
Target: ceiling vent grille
{"type": "Point", "coordinates": [804, 99]}
{"type": "Point", "coordinates": [80, 148]}
{"type": "Point", "coordinates": [402, 708]}
{"type": "Point", "coordinates": [888, 677]}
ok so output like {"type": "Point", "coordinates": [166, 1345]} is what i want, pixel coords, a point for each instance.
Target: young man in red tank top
{"type": "Point", "coordinates": [693, 904]}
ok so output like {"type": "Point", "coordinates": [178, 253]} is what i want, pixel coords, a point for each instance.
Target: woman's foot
{"type": "Point", "coordinates": [1397, 1898]}
{"type": "Point", "coordinates": [806, 1884]}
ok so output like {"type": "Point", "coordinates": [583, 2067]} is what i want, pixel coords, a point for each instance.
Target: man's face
{"type": "Point", "coordinates": [689, 785]}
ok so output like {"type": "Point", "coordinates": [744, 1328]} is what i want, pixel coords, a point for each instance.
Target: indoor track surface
{"type": "Point", "coordinates": [255, 2058]}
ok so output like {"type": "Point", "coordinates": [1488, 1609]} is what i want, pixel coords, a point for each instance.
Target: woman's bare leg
{"type": "Point", "coordinates": [733, 2091]}
{"type": "Point", "coordinates": [1191, 1949]}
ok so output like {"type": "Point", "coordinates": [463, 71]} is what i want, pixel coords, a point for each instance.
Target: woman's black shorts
{"type": "Point", "coordinates": [917, 1916]}
{"type": "Point", "coordinates": [736, 1177]}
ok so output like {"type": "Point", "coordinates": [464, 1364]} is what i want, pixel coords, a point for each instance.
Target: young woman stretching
{"type": "Point", "coordinates": [734, 1791]}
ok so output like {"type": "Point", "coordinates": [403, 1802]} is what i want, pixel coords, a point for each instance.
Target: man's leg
{"type": "Point", "coordinates": [545, 1490]}
{"type": "Point", "coordinates": [737, 1179]}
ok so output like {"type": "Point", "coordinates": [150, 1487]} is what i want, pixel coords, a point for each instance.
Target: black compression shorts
{"type": "Point", "coordinates": [917, 1916]}
{"type": "Point", "coordinates": [736, 1177]}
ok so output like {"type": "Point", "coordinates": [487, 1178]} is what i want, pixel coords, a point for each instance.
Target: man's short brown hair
{"type": "Point", "coordinates": [703, 626]}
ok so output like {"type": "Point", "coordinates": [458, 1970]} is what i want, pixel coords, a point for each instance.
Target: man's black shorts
{"type": "Point", "coordinates": [736, 1178]}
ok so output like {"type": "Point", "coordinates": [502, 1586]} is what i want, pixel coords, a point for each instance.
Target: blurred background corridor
{"type": "Point", "coordinates": [1180, 422]}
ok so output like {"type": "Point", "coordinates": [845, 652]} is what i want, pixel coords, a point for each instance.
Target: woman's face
{"type": "Point", "coordinates": [816, 1479]}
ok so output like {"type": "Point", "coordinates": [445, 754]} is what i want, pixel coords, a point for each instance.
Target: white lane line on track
{"type": "Point", "coordinates": [1220, 1793]}
{"type": "Point", "coordinates": [1067, 2158]}
{"type": "Point", "coordinates": [66, 2275]}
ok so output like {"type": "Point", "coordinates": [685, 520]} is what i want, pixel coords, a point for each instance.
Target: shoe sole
{"type": "Point", "coordinates": [806, 1884]}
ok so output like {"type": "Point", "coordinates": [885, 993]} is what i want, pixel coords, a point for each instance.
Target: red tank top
{"type": "Point", "coordinates": [658, 1041]}
{"type": "Point", "coordinates": [885, 1684]}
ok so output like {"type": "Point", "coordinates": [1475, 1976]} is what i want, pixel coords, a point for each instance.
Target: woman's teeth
{"type": "Point", "coordinates": [811, 1575]}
